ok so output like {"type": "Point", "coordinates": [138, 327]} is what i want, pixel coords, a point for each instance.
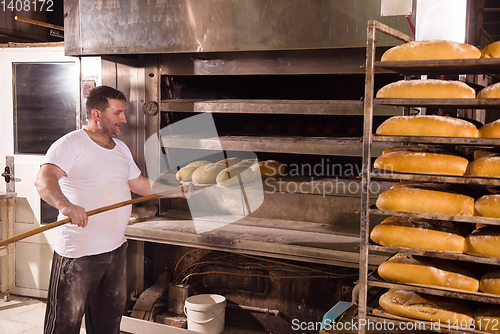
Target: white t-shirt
{"type": "Point", "coordinates": [96, 177]}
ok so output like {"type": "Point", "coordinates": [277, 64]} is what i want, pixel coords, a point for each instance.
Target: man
{"type": "Point", "coordinates": [84, 170]}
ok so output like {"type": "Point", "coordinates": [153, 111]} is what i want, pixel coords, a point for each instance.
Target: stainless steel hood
{"type": "Point", "coordinates": [98, 27]}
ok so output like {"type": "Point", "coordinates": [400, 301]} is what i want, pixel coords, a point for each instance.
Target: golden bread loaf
{"type": "Point", "coordinates": [487, 166]}
{"type": "Point", "coordinates": [486, 153]}
{"type": "Point", "coordinates": [488, 206]}
{"type": "Point", "coordinates": [410, 304]}
{"type": "Point", "coordinates": [427, 125]}
{"type": "Point", "coordinates": [234, 175]}
{"type": "Point", "coordinates": [269, 168]}
{"type": "Point", "coordinates": [490, 282]}
{"type": "Point", "coordinates": [426, 89]}
{"type": "Point", "coordinates": [487, 318]}
{"type": "Point", "coordinates": [418, 233]}
{"type": "Point", "coordinates": [422, 162]}
{"type": "Point", "coordinates": [431, 50]}
{"type": "Point", "coordinates": [425, 198]}
{"type": "Point", "coordinates": [490, 130]}
{"type": "Point", "coordinates": [490, 92]}
{"type": "Point", "coordinates": [207, 173]}
{"type": "Point", "coordinates": [491, 50]}
{"type": "Point", "coordinates": [402, 268]}
{"type": "Point", "coordinates": [186, 172]}
{"type": "Point", "coordinates": [484, 241]}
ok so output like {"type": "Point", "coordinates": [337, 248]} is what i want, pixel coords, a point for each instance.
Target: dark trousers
{"type": "Point", "coordinates": [94, 285]}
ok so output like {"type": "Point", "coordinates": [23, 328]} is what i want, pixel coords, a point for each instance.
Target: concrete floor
{"type": "Point", "coordinates": [25, 315]}
{"type": "Point", "coordinates": [22, 315]}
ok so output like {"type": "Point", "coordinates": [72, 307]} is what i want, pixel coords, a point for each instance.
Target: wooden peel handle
{"type": "Point", "coordinates": [41, 229]}
{"type": "Point", "coordinates": [38, 23]}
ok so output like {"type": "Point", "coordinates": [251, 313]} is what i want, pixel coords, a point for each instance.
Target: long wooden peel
{"type": "Point", "coordinates": [38, 23]}
{"type": "Point", "coordinates": [89, 213]}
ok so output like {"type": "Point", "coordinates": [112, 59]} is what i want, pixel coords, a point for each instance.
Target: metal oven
{"type": "Point", "coordinates": [282, 80]}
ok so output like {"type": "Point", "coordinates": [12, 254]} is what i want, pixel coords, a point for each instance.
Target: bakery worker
{"type": "Point", "coordinates": [84, 170]}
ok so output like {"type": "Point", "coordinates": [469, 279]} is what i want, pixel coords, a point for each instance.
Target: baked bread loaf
{"type": "Point", "coordinates": [490, 282]}
{"type": "Point", "coordinates": [427, 125]}
{"type": "Point", "coordinates": [487, 318]}
{"type": "Point", "coordinates": [486, 153]}
{"type": "Point", "coordinates": [484, 241]}
{"type": "Point", "coordinates": [410, 304]}
{"type": "Point", "coordinates": [490, 92]}
{"type": "Point", "coordinates": [422, 162]}
{"type": "Point", "coordinates": [234, 175]}
{"type": "Point", "coordinates": [425, 198]}
{"type": "Point", "coordinates": [402, 268]}
{"type": "Point", "coordinates": [269, 168]}
{"type": "Point", "coordinates": [491, 50]}
{"type": "Point", "coordinates": [488, 206]}
{"type": "Point", "coordinates": [490, 130]}
{"type": "Point", "coordinates": [488, 166]}
{"type": "Point", "coordinates": [207, 173]}
{"type": "Point", "coordinates": [430, 50]}
{"type": "Point", "coordinates": [418, 233]}
{"type": "Point", "coordinates": [426, 89]}
{"type": "Point", "coordinates": [247, 162]}
{"type": "Point", "coordinates": [186, 172]}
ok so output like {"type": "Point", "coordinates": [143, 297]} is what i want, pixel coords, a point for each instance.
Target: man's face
{"type": "Point", "coordinates": [112, 119]}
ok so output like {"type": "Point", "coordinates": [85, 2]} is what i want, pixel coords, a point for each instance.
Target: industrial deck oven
{"type": "Point", "coordinates": [278, 80]}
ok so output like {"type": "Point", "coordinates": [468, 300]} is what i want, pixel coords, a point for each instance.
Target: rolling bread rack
{"type": "Point", "coordinates": [439, 67]}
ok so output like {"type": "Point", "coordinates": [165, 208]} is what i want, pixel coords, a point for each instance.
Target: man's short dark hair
{"type": "Point", "coordinates": [98, 98]}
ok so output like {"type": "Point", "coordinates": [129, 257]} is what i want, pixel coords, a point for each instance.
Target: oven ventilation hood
{"type": "Point", "coordinates": [102, 27]}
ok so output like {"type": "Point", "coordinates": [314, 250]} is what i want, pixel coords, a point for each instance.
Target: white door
{"type": "Point", "coordinates": [28, 124]}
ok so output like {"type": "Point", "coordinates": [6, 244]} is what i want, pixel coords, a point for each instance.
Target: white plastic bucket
{"type": "Point", "coordinates": [205, 313]}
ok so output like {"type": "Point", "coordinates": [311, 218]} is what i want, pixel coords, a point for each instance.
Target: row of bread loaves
{"type": "Point", "coordinates": [230, 171]}
{"type": "Point", "coordinates": [435, 89]}
{"type": "Point", "coordinates": [439, 49]}
{"type": "Point", "coordinates": [436, 126]}
{"type": "Point", "coordinates": [413, 269]}
{"type": "Point", "coordinates": [421, 159]}
{"type": "Point", "coordinates": [437, 236]}
{"type": "Point", "coordinates": [424, 159]}
{"type": "Point", "coordinates": [443, 310]}
{"type": "Point", "coordinates": [423, 197]}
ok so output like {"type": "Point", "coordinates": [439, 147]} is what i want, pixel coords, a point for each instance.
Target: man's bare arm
{"type": "Point", "coordinates": [47, 185]}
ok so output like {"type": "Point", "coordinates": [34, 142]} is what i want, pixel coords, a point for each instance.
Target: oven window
{"type": "Point", "coordinates": [45, 97]}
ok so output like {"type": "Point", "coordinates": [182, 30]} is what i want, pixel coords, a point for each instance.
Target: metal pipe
{"type": "Point", "coordinates": [365, 196]}
{"type": "Point", "coordinates": [373, 26]}
{"type": "Point", "coordinates": [276, 313]}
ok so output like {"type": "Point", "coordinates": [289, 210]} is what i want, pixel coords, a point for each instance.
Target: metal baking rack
{"type": "Point", "coordinates": [437, 216]}
{"type": "Point", "coordinates": [444, 103]}
{"type": "Point", "coordinates": [470, 180]}
{"type": "Point", "coordinates": [438, 140]}
{"type": "Point", "coordinates": [452, 66]}
{"type": "Point", "coordinates": [443, 255]}
{"type": "Point", "coordinates": [465, 66]}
